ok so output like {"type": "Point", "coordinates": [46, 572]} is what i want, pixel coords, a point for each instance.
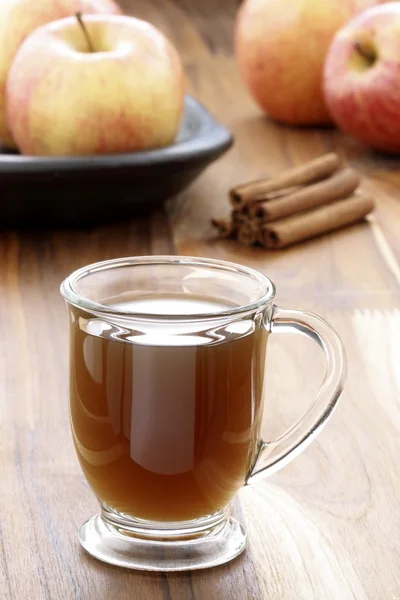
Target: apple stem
{"type": "Point", "coordinates": [366, 52]}
{"type": "Point", "coordinates": [85, 31]}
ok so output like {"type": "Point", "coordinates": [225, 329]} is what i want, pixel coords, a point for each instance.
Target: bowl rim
{"type": "Point", "coordinates": [210, 139]}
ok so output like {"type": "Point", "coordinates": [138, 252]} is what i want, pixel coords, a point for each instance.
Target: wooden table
{"type": "Point", "coordinates": [327, 527]}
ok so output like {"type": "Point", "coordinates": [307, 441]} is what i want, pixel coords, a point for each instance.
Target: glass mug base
{"type": "Point", "coordinates": [146, 545]}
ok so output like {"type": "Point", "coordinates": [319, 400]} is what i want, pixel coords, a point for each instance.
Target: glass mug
{"type": "Point", "coordinates": [166, 400]}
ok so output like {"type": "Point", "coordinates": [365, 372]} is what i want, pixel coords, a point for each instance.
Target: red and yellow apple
{"type": "Point", "coordinates": [362, 78]}
{"type": "Point", "coordinates": [19, 18]}
{"type": "Point", "coordinates": [281, 46]}
{"type": "Point", "coordinates": [114, 85]}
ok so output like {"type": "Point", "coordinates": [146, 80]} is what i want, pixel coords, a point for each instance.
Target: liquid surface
{"type": "Point", "coordinates": [170, 305]}
{"type": "Point", "coordinates": [166, 432]}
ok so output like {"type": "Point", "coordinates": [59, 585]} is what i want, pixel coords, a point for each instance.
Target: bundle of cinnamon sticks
{"type": "Point", "coordinates": [300, 203]}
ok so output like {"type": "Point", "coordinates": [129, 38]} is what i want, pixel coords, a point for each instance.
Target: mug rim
{"type": "Point", "coordinates": [73, 297]}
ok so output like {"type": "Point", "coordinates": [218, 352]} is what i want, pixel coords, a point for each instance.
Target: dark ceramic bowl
{"type": "Point", "coordinates": [82, 190]}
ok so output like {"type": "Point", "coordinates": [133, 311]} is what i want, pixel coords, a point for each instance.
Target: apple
{"type": "Point", "coordinates": [18, 18]}
{"type": "Point", "coordinates": [281, 48]}
{"type": "Point", "coordinates": [361, 78]}
{"type": "Point", "coordinates": [95, 85]}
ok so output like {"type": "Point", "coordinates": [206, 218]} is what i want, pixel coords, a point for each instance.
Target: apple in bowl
{"type": "Point", "coordinates": [361, 78]}
{"type": "Point", "coordinates": [18, 19]}
{"type": "Point", "coordinates": [98, 84]}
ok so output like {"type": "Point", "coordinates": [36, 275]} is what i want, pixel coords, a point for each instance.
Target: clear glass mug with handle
{"type": "Point", "coordinates": [167, 358]}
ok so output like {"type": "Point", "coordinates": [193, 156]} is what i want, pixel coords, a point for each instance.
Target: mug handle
{"type": "Point", "coordinates": [274, 455]}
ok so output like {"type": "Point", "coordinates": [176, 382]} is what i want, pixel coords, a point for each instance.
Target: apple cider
{"type": "Point", "coordinates": [165, 432]}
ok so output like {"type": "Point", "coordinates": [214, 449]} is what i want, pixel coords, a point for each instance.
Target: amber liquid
{"type": "Point", "coordinates": [166, 432]}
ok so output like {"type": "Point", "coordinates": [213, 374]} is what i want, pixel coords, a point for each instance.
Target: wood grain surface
{"type": "Point", "coordinates": [327, 527]}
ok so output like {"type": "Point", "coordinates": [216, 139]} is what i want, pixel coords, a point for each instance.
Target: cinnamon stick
{"type": "Point", "coordinates": [315, 222]}
{"type": "Point", "coordinates": [225, 227]}
{"type": "Point", "coordinates": [240, 216]}
{"type": "Point", "coordinates": [258, 190]}
{"type": "Point", "coordinates": [341, 184]}
{"type": "Point", "coordinates": [248, 233]}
